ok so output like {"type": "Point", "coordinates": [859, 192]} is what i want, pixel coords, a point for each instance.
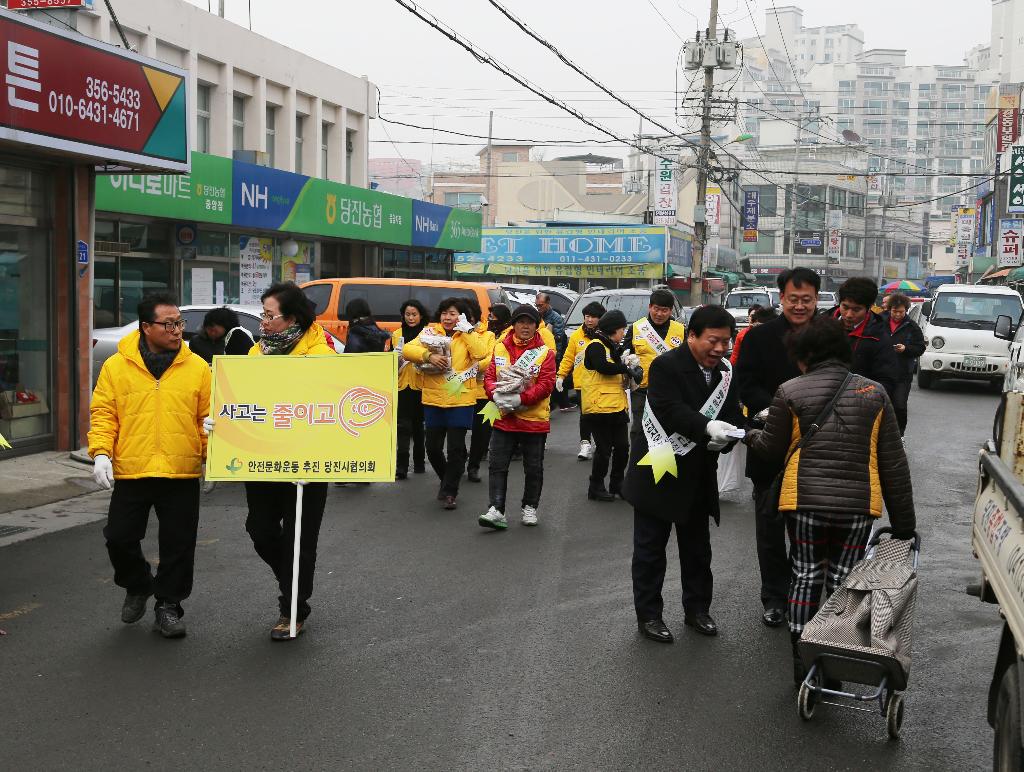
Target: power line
{"type": "Point", "coordinates": [500, 139]}
{"type": "Point", "coordinates": [667, 22]}
{"type": "Point", "coordinates": [792, 67]}
{"type": "Point", "coordinates": [117, 24]}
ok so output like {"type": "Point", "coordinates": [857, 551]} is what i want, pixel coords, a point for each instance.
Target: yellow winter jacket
{"type": "Point", "coordinates": [408, 376]}
{"type": "Point", "coordinates": [577, 343]}
{"type": "Point", "coordinates": [479, 392]}
{"type": "Point", "coordinates": [312, 343]}
{"type": "Point", "coordinates": [150, 428]}
{"type": "Point", "coordinates": [602, 393]}
{"type": "Point", "coordinates": [468, 349]}
{"type": "Point", "coordinates": [647, 352]}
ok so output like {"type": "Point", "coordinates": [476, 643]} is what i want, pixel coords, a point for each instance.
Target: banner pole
{"type": "Point", "coordinates": [295, 557]}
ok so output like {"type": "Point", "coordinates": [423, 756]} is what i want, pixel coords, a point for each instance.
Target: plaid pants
{"type": "Point", "coordinates": [823, 548]}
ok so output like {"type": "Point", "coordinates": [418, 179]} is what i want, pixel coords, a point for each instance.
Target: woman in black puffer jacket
{"type": "Point", "coordinates": [834, 487]}
{"type": "Point", "coordinates": [363, 333]}
{"type": "Point", "coordinates": [908, 342]}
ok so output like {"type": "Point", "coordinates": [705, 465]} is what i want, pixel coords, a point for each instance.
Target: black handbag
{"type": "Point", "coordinates": [775, 489]}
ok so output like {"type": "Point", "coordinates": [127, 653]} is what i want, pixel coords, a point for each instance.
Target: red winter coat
{"type": "Point", "coordinates": [538, 393]}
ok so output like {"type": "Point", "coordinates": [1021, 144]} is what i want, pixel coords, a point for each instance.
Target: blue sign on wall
{"type": "Point", "coordinates": [428, 221]}
{"type": "Point", "coordinates": [623, 245]}
{"type": "Point", "coordinates": [263, 197]}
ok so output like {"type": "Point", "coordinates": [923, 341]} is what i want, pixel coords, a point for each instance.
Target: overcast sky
{"type": "Point", "coordinates": [426, 79]}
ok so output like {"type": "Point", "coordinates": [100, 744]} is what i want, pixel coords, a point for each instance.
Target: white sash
{"type": "Point", "coordinates": [398, 349]}
{"type": "Point", "coordinates": [528, 363]}
{"type": "Point", "coordinates": [466, 375]}
{"type": "Point", "coordinates": [648, 333]}
{"type": "Point", "coordinates": [655, 433]}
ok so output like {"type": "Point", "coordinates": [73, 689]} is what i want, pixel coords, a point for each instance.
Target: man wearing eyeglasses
{"type": "Point", "coordinates": [147, 435]}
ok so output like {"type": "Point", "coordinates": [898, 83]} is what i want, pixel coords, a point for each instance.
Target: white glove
{"type": "Point", "coordinates": [718, 432]}
{"type": "Point", "coordinates": [103, 471]}
{"type": "Point", "coordinates": [715, 445]}
{"type": "Point", "coordinates": [762, 416]}
{"type": "Point", "coordinates": [208, 425]}
{"type": "Point", "coordinates": [464, 325]}
{"type": "Point", "coordinates": [631, 360]}
{"type": "Point", "coordinates": [507, 402]}
{"type": "Point", "coordinates": [302, 482]}
{"type": "Point", "coordinates": [559, 384]}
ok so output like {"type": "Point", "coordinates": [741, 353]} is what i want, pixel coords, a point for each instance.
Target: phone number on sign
{"type": "Point", "coordinates": [91, 110]}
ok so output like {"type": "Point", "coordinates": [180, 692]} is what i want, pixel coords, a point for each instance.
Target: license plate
{"type": "Point", "coordinates": [974, 361]}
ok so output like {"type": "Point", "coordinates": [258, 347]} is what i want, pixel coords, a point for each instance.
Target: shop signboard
{"type": "Point", "coordinates": [833, 249]}
{"type": "Point", "coordinates": [665, 194]}
{"type": "Point", "coordinates": [810, 242]}
{"type": "Point", "coordinates": [263, 197]}
{"type": "Point", "coordinates": [255, 268]}
{"type": "Point", "coordinates": [83, 98]}
{"type": "Point", "coordinates": [625, 251]}
{"type": "Point", "coordinates": [328, 208]}
{"type": "Point", "coordinates": [751, 213]}
{"type": "Point", "coordinates": [46, 5]}
{"type": "Point", "coordinates": [1007, 122]}
{"type": "Point", "coordinates": [713, 210]}
{"type": "Point", "coordinates": [445, 227]}
{"type": "Point", "coordinates": [1015, 194]}
{"type": "Point", "coordinates": [1011, 243]}
{"type": "Point", "coordinates": [965, 236]}
{"type": "Point", "coordinates": [204, 195]}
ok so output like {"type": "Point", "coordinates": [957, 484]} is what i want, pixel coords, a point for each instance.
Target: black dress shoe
{"type": "Point", "coordinates": [702, 623]}
{"type": "Point", "coordinates": [774, 617]}
{"type": "Point", "coordinates": [401, 474]}
{"type": "Point", "coordinates": [601, 495]}
{"type": "Point", "coordinates": [473, 475]}
{"type": "Point", "coordinates": [656, 630]}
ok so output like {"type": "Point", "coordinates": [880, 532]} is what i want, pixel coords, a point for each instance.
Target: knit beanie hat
{"type": "Point", "coordinates": [611, 321]}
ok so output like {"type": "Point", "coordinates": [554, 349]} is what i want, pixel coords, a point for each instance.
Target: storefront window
{"type": "Point", "coordinates": [25, 354]}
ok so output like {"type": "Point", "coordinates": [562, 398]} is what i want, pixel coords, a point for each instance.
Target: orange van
{"type": "Point", "coordinates": [385, 296]}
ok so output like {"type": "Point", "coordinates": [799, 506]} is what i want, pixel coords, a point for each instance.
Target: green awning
{"type": "Point", "coordinates": [1017, 274]}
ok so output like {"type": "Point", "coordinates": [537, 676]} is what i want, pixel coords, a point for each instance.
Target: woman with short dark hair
{"type": "Point", "coordinates": [448, 354]}
{"type": "Point", "coordinates": [908, 343]}
{"type": "Point", "coordinates": [363, 333]}
{"type": "Point", "coordinates": [410, 394]}
{"type": "Point", "coordinates": [210, 340]}
{"type": "Point", "coordinates": [835, 483]}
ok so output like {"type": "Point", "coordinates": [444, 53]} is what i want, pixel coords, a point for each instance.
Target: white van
{"type": "Point", "coordinates": [958, 325]}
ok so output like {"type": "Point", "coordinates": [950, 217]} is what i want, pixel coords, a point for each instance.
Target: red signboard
{"type": "Point", "coordinates": [75, 95]}
{"type": "Point", "coordinates": [34, 5]}
{"type": "Point", "coordinates": [1007, 122]}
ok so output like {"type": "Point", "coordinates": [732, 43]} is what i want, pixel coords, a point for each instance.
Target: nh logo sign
{"type": "Point", "coordinates": [255, 196]}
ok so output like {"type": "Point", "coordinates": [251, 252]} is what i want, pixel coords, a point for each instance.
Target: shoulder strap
{"type": "Point", "coordinates": [820, 418]}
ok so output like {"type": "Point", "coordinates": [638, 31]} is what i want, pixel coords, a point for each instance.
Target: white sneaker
{"type": "Point", "coordinates": [586, 450]}
{"type": "Point", "coordinates": [493, 519]}
{"type": "Point", "coordinates": [529, 515]}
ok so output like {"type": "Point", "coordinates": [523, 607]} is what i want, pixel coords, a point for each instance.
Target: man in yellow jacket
{"type": "Point", "coordinates": [147, 435]}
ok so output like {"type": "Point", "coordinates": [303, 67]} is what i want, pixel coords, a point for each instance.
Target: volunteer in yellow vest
{"type": "Point", "coordinates": [410, 398]}
{"type": "Point", "coordinates": [480, 437]}
{"type": "Point", "coordinates": [288, 328]}
{"type": "Point", "coordinates": [657, 333]}
{"type": "Point", "coordinates": [571, 372]}
{"type": "Point", "coordinates": [146, 434]}
{"type": "Point", "coordinates": [449, 353]}
{"type": "Point", "coordinates": [519, 380]}
{"type": "Point", "coordinates": [604, 401]}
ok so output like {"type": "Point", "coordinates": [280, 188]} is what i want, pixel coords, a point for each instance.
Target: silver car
{"type": "Point", "coordinates": [105, 340]}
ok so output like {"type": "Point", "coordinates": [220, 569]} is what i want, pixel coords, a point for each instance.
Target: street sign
{"type": "Point", "coordinates": [1015, 197]}
{"type": "Point", "coordinates": [810, 242]}
{"type": "Point", "coordinates": [1011, 243]}
{"type": "Point", "coordinates": [46, 5]}
{"type": "Point", "coordinates": [665, 193]}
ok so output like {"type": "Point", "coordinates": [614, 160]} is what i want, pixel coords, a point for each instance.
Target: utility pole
{"type": "Point", "coordinates": [489, 218]}
{"type": "Point", "coordinates": [700, 226]}
{"type": "Point", "coordinates": [886, 247]}
{"type": "Point", "coordinates": [796, 186]}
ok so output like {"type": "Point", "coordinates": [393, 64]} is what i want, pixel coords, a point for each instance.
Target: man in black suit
{"type": "Point", "coordinates": [691, 404]}
{"type": "Point", "coordinates": [763, 366]}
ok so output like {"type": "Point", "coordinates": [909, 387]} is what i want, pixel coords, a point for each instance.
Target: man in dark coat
{"type": "Point", "coordinates": [873, 354]}
{"type": "Point", "coordinates": [763, 366]}
{"type": "Point", "coordinates": [690, 394]}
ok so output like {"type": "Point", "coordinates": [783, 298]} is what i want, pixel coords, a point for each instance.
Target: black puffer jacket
{"type": "Point", "coordinates": [910, 335]}
{"type": "Point", "coordinates": [854, 463]}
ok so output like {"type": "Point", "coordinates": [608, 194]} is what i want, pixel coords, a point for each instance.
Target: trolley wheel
{"type": "Point", "coordinates": [894, 715]}
{"type": "Point", "coordinates": [806, 701]}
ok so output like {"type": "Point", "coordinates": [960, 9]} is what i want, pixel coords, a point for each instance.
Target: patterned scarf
{"type": "Point", "coordinates": [156, 362]}
{"type": "Point", "coordinates": [281, 342]}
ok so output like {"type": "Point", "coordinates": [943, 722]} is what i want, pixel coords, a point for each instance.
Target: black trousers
{"type": "Point", "coordinates": [448, 469]}
{"type": "Point", "coordinates": [772, 555]}
{"type": "Point", "coordinates": [611, 437]}
{"type": "Point", "coordinates": [638, 401]}
{"type": "Point", "coordinates": [585, 432]}
{"type": "Point", "coordinates": [650, 536]}
{"type": "Point", "coordinates": [177, 509]}
{"type": "Point", "coordinates": [271, 526]}
{"type": "Point", "coordinates": [900, 397]}
{"type": "Point", "coordinates": [410, 428]}
{"type": "Point", "coordinates": [502, 445]}
{"type": "Point", "coordinates": [480, 439]}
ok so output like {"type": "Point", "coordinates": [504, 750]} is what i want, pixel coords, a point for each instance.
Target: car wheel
{"type": "Point", "coordinates": [925, 380]}
{"type": "Point", "coordinates": [1007, 753]}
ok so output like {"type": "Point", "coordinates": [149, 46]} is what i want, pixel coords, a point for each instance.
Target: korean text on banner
{"type": "Point", "coordinates": [751, 214]}
{"type": "Point", "coordinates": [326, 418]}
{"type": "Point", "coordinates": [255, 268]}
{"type": "Point", "coordinates": [713, 210]}
{"type": "Point", "coordinates": [1011, 241]}
{"type": "Point", "coordinates": [1007, 122]}
{"type": "Point", "coordinates": [1015, 195]}
{"type": "Point", "coordinates": [665, 193]}
{"type": "Point", "coordinates": [965, 236]}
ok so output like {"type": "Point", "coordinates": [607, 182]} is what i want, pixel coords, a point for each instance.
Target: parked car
{"type": "Point", "coordinates": [385, 296]}
{"type": "Point", "coordinates": [739, 301]}
{"type": "Point", "coordinates": [961, 336]}
{"type": "Point", "coordinates": [632, 302]}
{"type": "Point", "coordinates": [827, 300]}
{"type": "Point", "coordinates": [105, 339]}
{"type": "Point", "coordinates": [561, 298]}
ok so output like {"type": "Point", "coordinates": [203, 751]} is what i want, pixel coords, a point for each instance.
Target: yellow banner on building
{"type": "Point", "coordinates": [319, 419]}
{"type": "Point", "coordinates": [583, 271]}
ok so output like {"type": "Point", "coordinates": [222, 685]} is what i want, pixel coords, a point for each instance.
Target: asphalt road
{"type": "Point", "coordinates": [435, 644]}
